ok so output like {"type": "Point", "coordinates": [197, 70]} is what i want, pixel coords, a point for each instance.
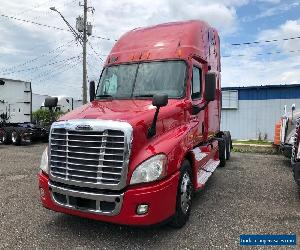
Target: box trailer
{"type": "Point", "coordinates": [16, 113]}
{"type": "Point", "coordinates": [15, 101]}
{"type": "Point", "coordinates": [65, 104]}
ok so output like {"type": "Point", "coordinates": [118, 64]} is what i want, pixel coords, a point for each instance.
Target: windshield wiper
{"type": "Point", "coordinates": [104, 96]}
{"type": "Point", "coordinates": [146, 95]}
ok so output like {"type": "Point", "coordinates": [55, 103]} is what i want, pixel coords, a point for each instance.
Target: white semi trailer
{"type": "Point", "coordinates": [15, 101]}
{"type": "Point", "coordinates": [64, 103]}
{"type": "Point", "coordinates": [16, 113]}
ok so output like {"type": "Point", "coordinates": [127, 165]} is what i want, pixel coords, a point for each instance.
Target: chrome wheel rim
{"type": "Point", "coordinates": [186, 193]}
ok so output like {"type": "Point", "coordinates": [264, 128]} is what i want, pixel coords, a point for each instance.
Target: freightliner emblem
{"type": "Point", "coordinates": [84, 127]}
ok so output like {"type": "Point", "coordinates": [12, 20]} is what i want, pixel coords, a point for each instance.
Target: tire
{"type": "Point", "coordinates": [228, 144]}
{"type": "Point", "coordinates": [184, 196]}
{"type": "Point", "coordinates": [222, 151]}
{"type": "Point", "coordinates": [16, 137]}
{"type": "Point", "coordinates": [6, 137]}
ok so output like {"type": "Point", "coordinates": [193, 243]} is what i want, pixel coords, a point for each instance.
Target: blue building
{"type": "Point", "coordinates": [251, 112]}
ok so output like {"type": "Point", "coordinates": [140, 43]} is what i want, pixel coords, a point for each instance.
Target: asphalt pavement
{"type": "Point", "coordinates": [253, 194]}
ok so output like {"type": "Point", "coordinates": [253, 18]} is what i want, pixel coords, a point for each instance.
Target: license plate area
{"type": "Point", "coordinates": [82, 204]}
{"type": "Point", "coordinates": [90, 205]}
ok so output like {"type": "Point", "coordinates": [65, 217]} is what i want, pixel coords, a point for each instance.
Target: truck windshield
{"type": "Point", "coordinates": [140, 80]}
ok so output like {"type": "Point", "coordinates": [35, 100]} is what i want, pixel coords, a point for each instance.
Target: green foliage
{"type": "Point", "coordinates": [256, 142]}
{"type": "Point", "coordinates": [44, 117]}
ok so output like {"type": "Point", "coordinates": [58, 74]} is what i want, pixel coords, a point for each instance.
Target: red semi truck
{"type": "Point", "coordinates": [149, 138]}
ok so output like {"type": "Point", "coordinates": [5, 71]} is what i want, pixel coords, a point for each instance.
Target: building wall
{"type": "Point", "coordinates": [258, 111]}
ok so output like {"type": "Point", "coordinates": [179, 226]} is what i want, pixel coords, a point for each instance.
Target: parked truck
{"type": "Point", "coordinates": [287, 130]}
{"type": "Point", "coordinates": [15, 113]}
{"type": "Point", "coordinates": [295, 159]}
{"type": "Point", "coordinates": [150, 136]}
{"type": "Point", "coordinates": [287, 137]}
{"type": "Point", "coordinates": [64, 104]}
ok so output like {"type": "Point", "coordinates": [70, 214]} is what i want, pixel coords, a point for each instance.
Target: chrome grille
{"type": "Point", "coordinates": [96, 158]}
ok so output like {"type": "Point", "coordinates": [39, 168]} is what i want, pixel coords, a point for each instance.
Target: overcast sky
{"type": "Point", "coordinates": [51, 59]}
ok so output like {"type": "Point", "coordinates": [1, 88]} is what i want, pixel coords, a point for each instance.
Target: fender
{"type": "Point", "coordinates": [175, 143]}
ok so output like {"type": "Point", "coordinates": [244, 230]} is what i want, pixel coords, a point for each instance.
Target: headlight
{"type": "Point", "coordinates": [44, 166]}
{"type": "Point", "coordinates": [150, 170]}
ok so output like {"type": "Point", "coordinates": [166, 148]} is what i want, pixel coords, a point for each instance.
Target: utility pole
{"type": "Point", "coordinates": [84, 74]}
{"type": "Point", "coordinates": [84, 27]}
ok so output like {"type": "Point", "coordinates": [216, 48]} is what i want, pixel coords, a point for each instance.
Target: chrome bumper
{"type": "Point", "coordinates": [97, 203]}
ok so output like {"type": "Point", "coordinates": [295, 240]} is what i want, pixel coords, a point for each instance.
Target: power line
{"type": "Point", "coordinates": [50, 76]}
{"type": "Point", "coordinates": [57, 71]}
{"type": "Point", "coordinates": [38, 57]}
{"type": "Point", "coordinates": [54, 68]}
{"type": "Point", "coordinates": [38, 67]}
{"type": "Point", "coordinates": [50, 26]}
{"type": "Point", "coordinates": [266, 41]}
{"type": "Point", "coordinates": [263, 54]}
{"type": "Point", "coordinates": [95, 51]}
{"type": "Point", "coordinates": [111, 39]}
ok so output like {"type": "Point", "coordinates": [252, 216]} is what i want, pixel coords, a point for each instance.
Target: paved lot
{"type": "Point", "coordinates": [252, 194]}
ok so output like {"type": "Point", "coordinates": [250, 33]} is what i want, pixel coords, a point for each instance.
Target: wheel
{"type": "Point", "coordinates": [222, 151]}
{"type": "Point", "coordinates": [6, 137]}
{"type": "Point", "coordinates": [16, 137]}
{"type": "Point", "coordinates": [184, 196]}
{"type": "Point", "coordinates": [228, 144]}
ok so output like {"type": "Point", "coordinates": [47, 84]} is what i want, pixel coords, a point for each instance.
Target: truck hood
{"type": "Point", "coordinates": [138, 113]}
{"type": "Point", "coordinates": [117, 110]}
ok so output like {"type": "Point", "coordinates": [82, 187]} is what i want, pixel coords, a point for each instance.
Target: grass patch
{"type": "Point", "coordinates": [256, 150]}
{"type": "Point", "coordinates": [257, 142]}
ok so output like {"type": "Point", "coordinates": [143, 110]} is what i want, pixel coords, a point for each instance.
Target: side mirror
{"type": "Point", "coordinates": [160, 100]}
{"type": "Point", "coordinates": [210, 87]}
{"type": "Point", "coordinates": [51, 102]}
{"type": "Point", "coordinates": [92, 91]}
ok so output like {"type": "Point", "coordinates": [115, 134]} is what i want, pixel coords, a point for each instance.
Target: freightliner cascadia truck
{"type": "Point", "coordinates": [150, 136]}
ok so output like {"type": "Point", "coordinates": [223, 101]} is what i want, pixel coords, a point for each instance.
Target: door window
{"type": "Point", "coordinates": [196, 83]}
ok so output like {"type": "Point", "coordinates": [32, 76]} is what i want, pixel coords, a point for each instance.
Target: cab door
{"type": "Point", "coordinates": [197, 101]}
{"type": "Point", "coordinates": [214, 111]}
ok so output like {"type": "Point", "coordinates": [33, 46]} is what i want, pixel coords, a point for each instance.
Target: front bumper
{"type": "Point", "coordinates": [160, 197]}
{"type": "Point", "coordinates": [296, 169]}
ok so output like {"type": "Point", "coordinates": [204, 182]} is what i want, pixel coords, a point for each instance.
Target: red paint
{"type": "Point", "coordinates": [178, 131]}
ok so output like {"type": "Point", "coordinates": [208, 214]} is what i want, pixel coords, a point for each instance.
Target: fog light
{"type": "Point", "coordinates": [42, 192]}
{"type": "Point", "coordinates": [142, 209]}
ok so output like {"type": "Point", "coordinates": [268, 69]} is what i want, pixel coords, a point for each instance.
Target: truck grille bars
{"type": "Point", "coordinates": [90, 153]}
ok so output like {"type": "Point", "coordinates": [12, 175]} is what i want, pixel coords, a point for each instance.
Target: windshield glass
{"type": "Point", "coordinates": [142, 80]}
